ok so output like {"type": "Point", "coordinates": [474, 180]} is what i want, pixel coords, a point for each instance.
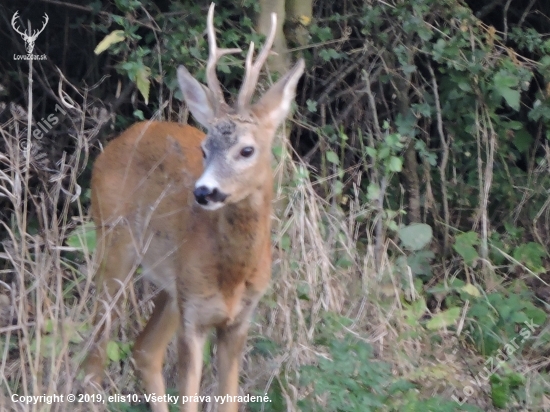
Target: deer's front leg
{"type": "Point", "coordinates": [231, 341]}
{"type": "Point", "coordinates": [190, 347]}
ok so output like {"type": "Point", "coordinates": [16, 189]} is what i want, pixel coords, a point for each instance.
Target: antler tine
{"type": "Point", "coordinates": [214, 55]}
{"type": "Point", "coordinates": [14, 23]}
{"type": "Point", "coordinates": [35, 33]}
{"type": "Point", "coordinates": [253, 70]}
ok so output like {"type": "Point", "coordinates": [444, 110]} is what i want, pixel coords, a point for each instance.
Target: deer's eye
{"type": "Point", "coordinates": [247, 151]}
{"type": "Point", "coordinates": [203, 153]}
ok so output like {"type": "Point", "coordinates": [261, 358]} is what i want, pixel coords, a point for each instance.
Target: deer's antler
{"type": "Point", "coordinates": [253, 70]}
{"type": "Point", "coordinates": [214, 55]}
{"type": "Point", "coordinates": [37, 32]}
{"type": "Point", "coordinates": [14, 24]}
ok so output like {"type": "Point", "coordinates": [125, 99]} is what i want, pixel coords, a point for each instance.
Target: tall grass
{"type": "Point", "coordinates": [322, 265]}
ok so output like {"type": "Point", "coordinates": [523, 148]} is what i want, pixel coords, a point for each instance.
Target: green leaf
{"type": "Point", "coordinates": [443, 319]}
{"type": "Point", "coordinates": [419, 262]}
{"type": "Point", "coordinates": [371, 151]}
{"type": "Point", "coordinates": [530, 254]}
{"type": "Point", "coordinates": [83, 237]}
{"type": "Point", "coordinates": [303, 291]}
{"type": "Point", "coordinates": [471, 290]}
{"type": "Point", "coordinates": [519, 317]}
{"type": "Point", "coordinates": [505, 84]}
{"type": "Point", "coordinates": [500, 391]}
{"type": "Point", "coordinates": [512, 97]}
{"type": "Point", "coordinates": [113, 351]}
{"type": "Point", "coordinates": [384, 152]}
{"type": "Point", "coordinates": [311, 105]}
{"type": "Point", "coordinates": [373, 191]}
{"type": "Point", "coordinates": [415, 236]}
{"type": "Point", "coordinates": [112, 38]}
{"type": "Point", "coordinates": [418, 308]}
{"type": "Point", "coordinates": [139, 114]}
{"type": "Point", "coordinates": [396, 164]}
{"type": "Point", "coordinates": [143, 83]}
{"type": "Point", "coordinates": [332, 157]}
{"type": "Point", "coordinates": [536, 315]}
{"type": "Point", "coordinates": [523, 140]}
{"type": "Point", "coordinates": [285, 242]}
{"type": "Point", "coordinates": [464, 246]}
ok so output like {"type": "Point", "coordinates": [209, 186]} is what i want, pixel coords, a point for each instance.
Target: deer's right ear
{"type": "Point", "coordinates": [196, 96]}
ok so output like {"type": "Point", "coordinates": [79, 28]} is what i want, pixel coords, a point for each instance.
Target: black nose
{"type": "Point", "coordinates": [204, 194]}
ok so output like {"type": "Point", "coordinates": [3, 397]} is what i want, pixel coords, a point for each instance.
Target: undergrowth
{"type": "Point", "coordinates": [412, 216]}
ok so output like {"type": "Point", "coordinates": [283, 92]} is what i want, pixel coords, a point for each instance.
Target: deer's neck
{"type": "Point", "coordinates": [243, 238]}
{"type": "Point", "coordinates": [246, 223]}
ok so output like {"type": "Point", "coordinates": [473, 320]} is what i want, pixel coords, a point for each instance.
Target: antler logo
{"type": "Point", "coordinates": [28, 38]}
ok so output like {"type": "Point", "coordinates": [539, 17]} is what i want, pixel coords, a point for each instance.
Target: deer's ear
{"type": "Point", "coordinates": [274, 106]}
{"type": "Point", "coordinates": [197, 97]}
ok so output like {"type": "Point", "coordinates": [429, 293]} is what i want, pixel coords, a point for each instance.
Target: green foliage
{"type": "Point", "coordinates": [494, 320]}
{"type": "Point", "coordinates": [449, 87]}
{"type": "Point", "coordinates": [505, 387]}
{"type": "Point", "coordinates": [83, 238]}
{"type": "Point", "coordinates": [414, 312]}
{"type": "Point", "coordinates": [117, 351]}
{"type": "Point", "coordinates": [443, 319]}
{"type": "Point", "coordinates": [350, 379]}
{"type": "Point", "coordinates": [148, 59]}
{"type": "Point", "coordinates": [531, 255]}
{"type": "Point", "coordinates": [464, 246]}
{"type": "Point", "coordinates": [415, 236]}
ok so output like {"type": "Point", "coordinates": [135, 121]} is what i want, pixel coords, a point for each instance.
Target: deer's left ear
{"type": "Point", "coordinates": [274, 106]}
{"type": "Point", "coordinates": [196, 96]}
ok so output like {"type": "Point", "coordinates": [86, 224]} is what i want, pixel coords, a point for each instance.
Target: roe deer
{"type": "Point", "coordinates": [194, 211]}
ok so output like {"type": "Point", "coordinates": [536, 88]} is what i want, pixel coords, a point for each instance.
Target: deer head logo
{"type": "Point", "coordinates": [28, 38]}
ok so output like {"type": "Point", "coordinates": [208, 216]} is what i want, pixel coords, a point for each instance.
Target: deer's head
{"type": "Point", "coordinates": [237, 149]}
{"type": "Point", "coordinates": [28, 38]}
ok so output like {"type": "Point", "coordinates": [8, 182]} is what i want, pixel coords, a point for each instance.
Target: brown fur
{"type": "Point", "coordinates": [210, 262]}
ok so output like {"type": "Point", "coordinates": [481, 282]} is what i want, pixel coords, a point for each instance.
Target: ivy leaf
{"type": "Point", "coordinates": [511, 96]}
{"type": "Point", "coordinates": [505, 85]}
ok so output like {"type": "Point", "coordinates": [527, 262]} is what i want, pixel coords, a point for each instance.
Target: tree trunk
{"type": "Point", "coordinates": [278, 63]}
{"type": "Point", "coordinates": [299, 15]}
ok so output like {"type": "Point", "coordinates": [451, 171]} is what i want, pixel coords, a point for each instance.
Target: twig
{"type": "Point", "coordinates": [526, 12]}
{"type": "Point", "coordinates": [487, 9]}
{"type": "Point", "coordinates": [444, 160]}
{"type": "Point", "coordinates": [505, 18]}
{"type": "Point", "coordinates": [378, 241]}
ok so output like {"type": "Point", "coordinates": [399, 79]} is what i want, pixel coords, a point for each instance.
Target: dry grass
{"type": "Point", "coordinates": [47, 294]}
